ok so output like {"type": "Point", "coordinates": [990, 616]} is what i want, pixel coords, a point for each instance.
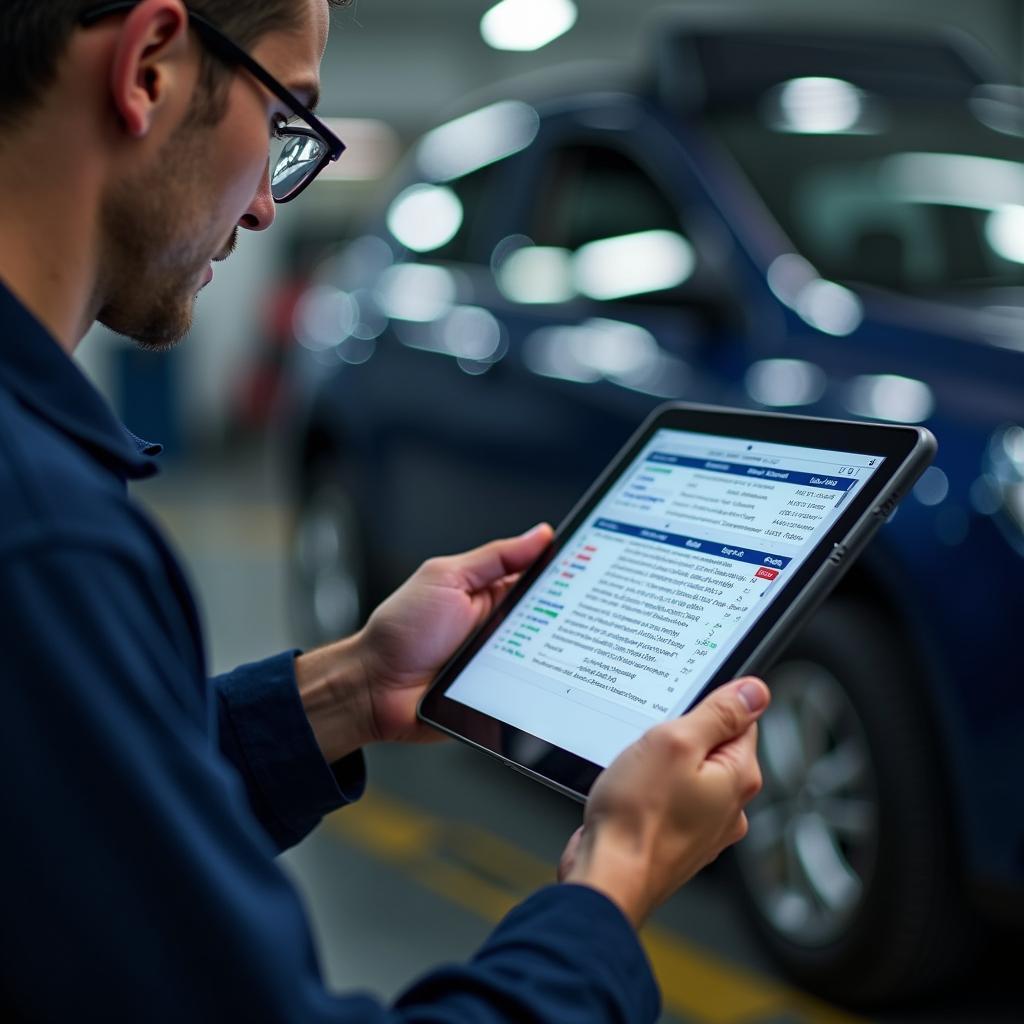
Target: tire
{"type": "Point", "coordinates": [328, 569]}
{"type": "Point", "coordinates": [849, 871]}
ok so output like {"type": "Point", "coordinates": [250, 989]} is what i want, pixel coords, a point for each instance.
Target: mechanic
{"type": "Point", "coordinates": [144, 803]}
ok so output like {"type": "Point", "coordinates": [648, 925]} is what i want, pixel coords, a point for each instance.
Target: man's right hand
{"type": "Point", "coordinates": [670, 803]}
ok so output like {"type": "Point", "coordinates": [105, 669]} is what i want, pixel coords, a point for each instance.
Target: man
{"type": "Point", "coordinates": [144, 803]}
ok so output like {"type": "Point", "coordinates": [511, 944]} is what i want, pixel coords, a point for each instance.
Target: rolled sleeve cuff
{"type": "Point", "coordinates": [265, 732]}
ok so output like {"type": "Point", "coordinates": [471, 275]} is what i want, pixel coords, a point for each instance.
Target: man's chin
{"type": "Point", "coordinates": [155, 332]}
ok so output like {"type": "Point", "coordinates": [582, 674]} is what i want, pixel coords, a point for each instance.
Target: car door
{"type": "Point", "coordinates": [615, 287]}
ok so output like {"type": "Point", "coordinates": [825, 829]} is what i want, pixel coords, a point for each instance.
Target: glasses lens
{"type": "Point", "coordinates": [294, 159]}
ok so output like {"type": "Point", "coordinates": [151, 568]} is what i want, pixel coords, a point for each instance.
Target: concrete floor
{"type": "Point", "coordinates": [446, 840]}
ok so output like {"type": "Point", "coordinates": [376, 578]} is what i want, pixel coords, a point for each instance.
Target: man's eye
{"type": "Point", "coordinates": [280, 122]}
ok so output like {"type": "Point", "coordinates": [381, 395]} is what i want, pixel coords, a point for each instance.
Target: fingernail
{"type": "Point", "coordinates": [534, 530]}
{"type": "Point", "coordinates": [754, 695]}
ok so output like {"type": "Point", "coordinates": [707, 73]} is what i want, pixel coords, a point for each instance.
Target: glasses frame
{"type": "Point", "coordinates": [231, 53]}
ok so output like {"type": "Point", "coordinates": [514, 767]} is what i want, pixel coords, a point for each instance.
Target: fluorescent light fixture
{"type": "Point", "coordinates": [425, 217]}
{"type": "Point", "coordinates": [476, 140]}
{"type": "Point", "coordinates": [975, 182]}
{"type": "Point", "coordinates": [1004, 231]}
{"type": "Point", "coordinates": [818, 106]}
{"type": "Point", "coordinates": [648, 261]}
{"type": "Point", "coordinates": [527, 24]}
{"type": "Point", "coordinates": [955, 179]}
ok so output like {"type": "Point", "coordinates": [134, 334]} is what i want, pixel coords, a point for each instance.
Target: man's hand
{"type": "Point", "coordinates": [670, 803]}
{"type": "Point", "coordinates": [365, 689]}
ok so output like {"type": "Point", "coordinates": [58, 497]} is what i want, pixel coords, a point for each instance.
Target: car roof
{"type": "Point", "coordinates": [712, 63]}
{"type": "Point", "coordinates": [693, 63]}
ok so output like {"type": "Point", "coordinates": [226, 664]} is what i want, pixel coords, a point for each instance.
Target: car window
{"type": "Point", "coordinates": [604, 229]}
{"type": "Point", "coordinates": [919, 196]}
{"type": "Point", "coordinates": [590, 193]}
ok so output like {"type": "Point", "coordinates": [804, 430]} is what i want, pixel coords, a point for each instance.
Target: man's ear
{"type": "Point", "coordinates": [148, 62]}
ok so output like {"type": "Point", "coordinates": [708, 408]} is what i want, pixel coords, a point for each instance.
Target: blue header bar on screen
{"type": "Point", "coordinates": [705, 547]}
{"type": "Point", "coordinates": [782, 476]}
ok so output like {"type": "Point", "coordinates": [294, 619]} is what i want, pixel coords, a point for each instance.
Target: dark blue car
{"type": "Point", "coordinates": [783, 220]}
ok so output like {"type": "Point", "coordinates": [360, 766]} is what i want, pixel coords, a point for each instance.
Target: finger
{"type": "Point", "coordinates": [568, 859]}
{"type": "Point", "coordinates": [739, 751]}
{"type": "Point", "coordinates": [727, 713]}
{"type": "Point", "coordinates": [499, 589]}
{"type": "Point", "coordinates": [482, 566]}
{"type": "Point", "coordinates": [740, 755]}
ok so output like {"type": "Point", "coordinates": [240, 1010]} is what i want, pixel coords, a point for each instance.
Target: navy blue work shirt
{"type": "Point", "coordinates": [143, 803]}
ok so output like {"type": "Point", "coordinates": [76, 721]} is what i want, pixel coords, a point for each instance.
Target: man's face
{"type": "Point", "coordinates": [165, 225]}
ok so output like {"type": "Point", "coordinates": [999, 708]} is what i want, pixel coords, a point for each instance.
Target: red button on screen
{"type": "Point", "coordinates": [766, 574]}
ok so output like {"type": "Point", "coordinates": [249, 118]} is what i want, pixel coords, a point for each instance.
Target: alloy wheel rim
{"type": "Point", "coordinates": [812, 846]}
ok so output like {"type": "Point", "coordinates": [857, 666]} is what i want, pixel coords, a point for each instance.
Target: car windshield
{"type": "Point", "coordinates": [916, 196]}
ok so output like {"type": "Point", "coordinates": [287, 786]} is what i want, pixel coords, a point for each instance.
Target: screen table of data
{"type": "Point", "coordinates": [656, 588]}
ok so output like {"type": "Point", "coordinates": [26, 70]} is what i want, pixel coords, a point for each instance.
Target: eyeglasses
{"type": "Point", "coordinates": [298, 155]}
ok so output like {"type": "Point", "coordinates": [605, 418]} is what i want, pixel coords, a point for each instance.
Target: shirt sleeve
{"type": "Point", "coordinates": [265, 733]}
{"type": "Point", "coordinates": [141, 887]}
{"type": "Point", "coordinates": [566, 954]}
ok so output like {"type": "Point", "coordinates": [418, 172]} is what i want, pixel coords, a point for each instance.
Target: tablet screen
{"type": "Point", "coordinates": [665, 576]}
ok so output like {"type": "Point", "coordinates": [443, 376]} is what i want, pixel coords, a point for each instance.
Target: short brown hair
{"type": "Point", "coordinates": [35, 33]}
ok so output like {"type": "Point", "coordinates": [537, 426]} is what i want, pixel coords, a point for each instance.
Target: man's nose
{"type": "Point", "coordinates": [262, 210]}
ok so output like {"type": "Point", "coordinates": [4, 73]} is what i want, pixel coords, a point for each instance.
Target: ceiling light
{"type": "Point", "coordinates": [1004, 231]}
{"type": "Point", "coordinates": [475, 140]}
{"type": "Point", "coordinates": [527, 24]}
{"type": "Point", "coordinates": [819, 106]}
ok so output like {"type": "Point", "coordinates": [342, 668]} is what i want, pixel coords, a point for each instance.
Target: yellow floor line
{"type": "Point", "coordinates": [486, 875]}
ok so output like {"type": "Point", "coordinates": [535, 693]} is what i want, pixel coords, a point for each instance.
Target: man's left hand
{"type": "Point", "coordinates": [366, 689]}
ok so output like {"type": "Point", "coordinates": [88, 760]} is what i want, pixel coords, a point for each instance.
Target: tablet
{"type": "Point", "coordinates": [692, 560]}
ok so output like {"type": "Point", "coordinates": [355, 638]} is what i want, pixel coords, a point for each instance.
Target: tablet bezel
{"type": "Point", "coordinates": [907, 450]}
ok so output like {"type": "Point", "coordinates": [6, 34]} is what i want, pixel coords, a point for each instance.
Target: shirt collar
{"type": "Point", "coordinates": [48, 381]}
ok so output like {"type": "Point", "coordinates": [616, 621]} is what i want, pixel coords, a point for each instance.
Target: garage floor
{"type": "Point", "coordinates": [445, 840]}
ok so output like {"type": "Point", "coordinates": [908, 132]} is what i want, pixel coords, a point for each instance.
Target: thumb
{"type": "Point", "coordinates": [728, 712]}
{"type": "Point", "coordinates": [485, 565]}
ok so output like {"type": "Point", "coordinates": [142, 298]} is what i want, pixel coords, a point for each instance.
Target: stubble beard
{"type": "Point", "coordinates": [157, 245]}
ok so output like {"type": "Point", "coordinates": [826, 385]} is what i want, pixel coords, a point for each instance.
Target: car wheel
{"type": "Point", "coordinates": [327, 560]}
{"type": "Point", "coordinates": [848, 870]}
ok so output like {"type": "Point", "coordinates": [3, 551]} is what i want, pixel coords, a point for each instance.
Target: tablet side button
{"type": "Point", "coordinates": [838, 554]}
{"type": "Point", "coordinates": [886, 509]}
